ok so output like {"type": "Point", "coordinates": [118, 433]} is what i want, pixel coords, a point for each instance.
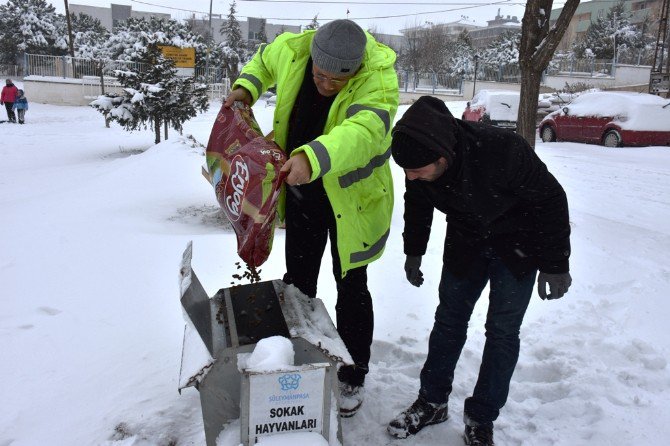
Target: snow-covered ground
{"type": "Point", "coordinates": [94, 222]}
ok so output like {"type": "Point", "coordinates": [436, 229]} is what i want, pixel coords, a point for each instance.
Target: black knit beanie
{"type": "Point", "coordinates": [409, 153]}
{"type": "Point", "coordinates": [426, 132]}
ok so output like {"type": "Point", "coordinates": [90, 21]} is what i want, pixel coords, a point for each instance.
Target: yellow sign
{"type": "Point", "coordinates": [183, 57]}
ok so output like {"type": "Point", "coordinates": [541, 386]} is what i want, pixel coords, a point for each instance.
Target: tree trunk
{"type": "Point", "coordinates": [165, 127]}
{"type": "Point", "coordinates": [530, 92]}
{"type": "Point", "coordinates": [157, 129]}
{"type": "Point", "coordinates": [538, 43]}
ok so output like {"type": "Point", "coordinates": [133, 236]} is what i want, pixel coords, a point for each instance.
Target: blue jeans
{"type": "Point", "coordinates": [508, 301]}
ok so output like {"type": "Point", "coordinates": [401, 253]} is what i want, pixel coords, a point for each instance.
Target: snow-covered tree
{"type": "Point", "coordinates": [314, 24]}
{"type": "Point", "coordinates": [153, 97]}
{"type": "Point", "coordinates": [30, 26]}
{"type": "Point", "coordinates": [262, 36]}
{"type": "Point", "coordinates": [225, 58]}
{"type": "Point", "coordinates": [230, 30]}
{"type": "Point", "coordinates": [504, 51]}
{"type": "Point", "coordinates": [461, 54]}
{"type": "Point", "coordinates": [90, 36]}
{"type": "Point", "coordinates": [607, 32]}
{"type": "Point", "coordinates": [132, 36]}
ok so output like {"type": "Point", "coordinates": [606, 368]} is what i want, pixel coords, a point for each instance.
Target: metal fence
{"type": "Point", "coordinates": [586, 67]}
{"type": "Point", "coordinates": [410, 81]}
{"type": "Point", "coordinates": [11, 71]}
{"type": "Point", "coordinates": [75, 67]}
{"type": "Point", "coordinates": [497, 73]}
{"type": "Point", "coordinates": [92, 71]}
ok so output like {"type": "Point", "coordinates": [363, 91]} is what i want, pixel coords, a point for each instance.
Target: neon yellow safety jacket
{"type": "Point", "coordinates": [352, 156]}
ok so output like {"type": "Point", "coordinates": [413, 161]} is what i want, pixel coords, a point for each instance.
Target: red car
{"type": "Point", "coordinates": [611, 118]}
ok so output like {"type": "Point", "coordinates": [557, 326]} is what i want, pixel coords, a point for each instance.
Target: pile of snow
{"type": "Point", "coordinates": [294, 439]}
{"type": "Point", "coordinates": [309, 319]}
{"type": "Point", "coordinates": [270, 354]}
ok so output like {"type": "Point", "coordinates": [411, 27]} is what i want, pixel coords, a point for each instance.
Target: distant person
{"type": "Point", "coordinates": [337, 95]}
{"type": "Point", "coordinates": [507, 217]}
{"type": "Point", "coordinates": [8, 96]}
{"type": "Point", "coordinates": [21, 106]}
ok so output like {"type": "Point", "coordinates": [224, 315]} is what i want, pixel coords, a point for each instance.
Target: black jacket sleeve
{"type": "Point", "coordinates": [543, 195]}
{"type": "Point", "coordinates": [418, 219]}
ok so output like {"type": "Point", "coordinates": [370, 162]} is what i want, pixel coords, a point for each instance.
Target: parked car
{"type": "Point", "coordinates": [269, 97]}
{"type": "Point", "coordinates": [611, 118]}
{"type": "Point", "coordinates": [495, 107]}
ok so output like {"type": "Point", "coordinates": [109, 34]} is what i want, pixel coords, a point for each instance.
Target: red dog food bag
{"type": "Point", "coordinates": [244, 169]}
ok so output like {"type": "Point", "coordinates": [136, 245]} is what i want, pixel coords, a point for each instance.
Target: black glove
{"type": "Point", "coordinates": [414, 274]}
{"type": "Point", "coordinates": [558, 285]}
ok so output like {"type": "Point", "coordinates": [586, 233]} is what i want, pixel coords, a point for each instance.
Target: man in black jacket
{"type": "Point", "coordinates": [507, 218]}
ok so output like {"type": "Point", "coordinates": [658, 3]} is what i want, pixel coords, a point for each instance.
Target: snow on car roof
{"type": "Point", "coordinates": [633, 111]}
{"type": "Point", "coordinates": [501, 105]}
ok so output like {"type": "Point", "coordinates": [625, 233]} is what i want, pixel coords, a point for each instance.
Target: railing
{"type": "Point", "coordinates": [502, 73]}
{"type": "Point", "coordinates": [410, 81]}
{"type": "Point", "coordinates": [90, 72]}
{"type": "Point", "coordinates": [11, 71]}
{"type": "Point", "coordinates": [75, 67]}
{"type": "Point", "coordinates": [585, 67]}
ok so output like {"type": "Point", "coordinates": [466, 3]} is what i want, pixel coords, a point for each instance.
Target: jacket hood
{"type": "Point", "coordinates": [430, 122]}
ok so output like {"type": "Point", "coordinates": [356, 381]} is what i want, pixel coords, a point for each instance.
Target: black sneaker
{"type": "Point", "coordinates": [478, 435]}
{"type": "Point", "coordinates": [419, 415]}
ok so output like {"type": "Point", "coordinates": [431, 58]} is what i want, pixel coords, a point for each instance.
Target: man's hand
{"type": "Point", "coordinates": [298, 168]}
{"type": "Point", "coordinates": [414, 274]}
{"type": "Point", "coordinates": [238, 94]}
{"type": "Point", "coordinates": [558, 285]}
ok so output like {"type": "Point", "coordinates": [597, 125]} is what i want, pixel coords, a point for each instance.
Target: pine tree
{"type": "Point", "coordinates": [461, 56]}
{"type": "Point", "coordinates": [153, 96]}
{"type": "Point", "coordinates": [314, 24]}
{"type": "Point", "coordinates": [614, 29]}
{"type": "Point", "coordinates": [504, 51]}
{"type": "Point", "coordinates": [29, 26]}
{"type": "Point", "coordinates": [89, 35]}
{"type": "Point", "coordinates": [230, 30]}
{"type": "Point", "coordinates": [262, 36]}
{"type": "Point", "coordinates": [133, 35]}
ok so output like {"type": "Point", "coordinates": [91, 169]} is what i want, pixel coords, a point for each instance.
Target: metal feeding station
{"type": "Point", "coordinates": [219, 328]}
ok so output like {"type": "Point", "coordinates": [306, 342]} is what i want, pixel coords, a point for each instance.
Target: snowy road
{"type": "Point", "coordinates": [94, 221]}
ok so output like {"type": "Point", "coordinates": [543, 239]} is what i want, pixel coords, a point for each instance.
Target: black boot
{"type": "Point", "coordinates": [481, 435]}
{"type": "Point", "coordinates": [419, 415]}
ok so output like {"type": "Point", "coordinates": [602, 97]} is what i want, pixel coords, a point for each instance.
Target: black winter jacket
{"type": "Point", "coordinates": [497, 193]}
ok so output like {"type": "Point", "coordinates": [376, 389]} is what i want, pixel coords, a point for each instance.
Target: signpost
{"type": "Point", "coordinates": [184, 58]}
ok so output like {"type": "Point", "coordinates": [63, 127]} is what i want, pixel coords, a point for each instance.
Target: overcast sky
{"type": "Point", "coordinates": [387, 16]}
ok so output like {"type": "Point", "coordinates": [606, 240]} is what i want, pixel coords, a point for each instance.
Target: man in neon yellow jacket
{"type": "Point", "coordinates": [337, 95]}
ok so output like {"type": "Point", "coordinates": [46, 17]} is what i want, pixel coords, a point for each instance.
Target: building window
{"type": "Point", "coordinates": [637, 6]}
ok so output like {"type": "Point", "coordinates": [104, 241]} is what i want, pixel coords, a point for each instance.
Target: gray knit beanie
{"type": "Point", "coordinates": [339, 46]}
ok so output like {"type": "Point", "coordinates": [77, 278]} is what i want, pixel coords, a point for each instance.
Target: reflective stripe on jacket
{"type": "Point", "coordinates": [352, 156]}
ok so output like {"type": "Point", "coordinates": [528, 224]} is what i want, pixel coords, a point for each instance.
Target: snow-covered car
{"type": "Point", "coordinates": [269, 97]}
{"type": "Point", "coordinates": [496, 107]}
{"type": "Point", "coordinates": [611, 118]}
